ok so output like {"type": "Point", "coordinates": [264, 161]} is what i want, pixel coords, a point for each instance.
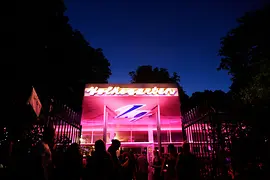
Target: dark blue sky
{"type": "Point", "coordinates": [180, 35]}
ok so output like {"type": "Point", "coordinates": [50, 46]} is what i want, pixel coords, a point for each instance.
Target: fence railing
{"type": "Point", "coordinates": [209, 134]}
{"type": "Point", "coordinates": [66, 123]}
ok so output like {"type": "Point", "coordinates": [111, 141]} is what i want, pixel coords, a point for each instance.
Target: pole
{"type": "Point", "coordinates": [158, 128]}
{"type": "Point", "coordinates": [105, 125]}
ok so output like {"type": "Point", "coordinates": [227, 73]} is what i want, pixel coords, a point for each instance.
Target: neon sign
{"type": "Point", "coordinates": [132, 112]}
{"type": "Point", "coordinates": [117, 91]}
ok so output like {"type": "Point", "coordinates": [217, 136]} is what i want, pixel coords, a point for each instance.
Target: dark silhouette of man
{"type": "Point", "coordinates": [112, 150]}
{"type": "Point", "coordinates": [142, 166]}
{"type": "Point", "coordinates": [187, 165]}
{"type": "Point", "coordinates": [101, 165]}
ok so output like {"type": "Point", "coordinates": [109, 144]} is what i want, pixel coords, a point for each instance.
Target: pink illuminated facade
{"type": "Point", "coordinates": [139, 115]}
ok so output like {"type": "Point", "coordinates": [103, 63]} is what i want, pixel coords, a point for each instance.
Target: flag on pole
{"type": "Point", "coordinates": [35, 102]}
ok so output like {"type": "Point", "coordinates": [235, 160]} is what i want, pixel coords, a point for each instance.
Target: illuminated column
{"type": "Point", "coordinates": [112, 135]}
{"type": "Point", "coordinates": [189, 135]}
{"type": "Point", "coordinates": [131, 138]}
{"type": "Point", "coordinates": [150, 134]}
{"type": "Point", "coordinates": [150, 147]}
{"type": "Point", "coordinates": [166, 149]}
{"type": "Point", "coordinates": [105, 124]}
{"type": "Point", "coordinates": [158, 128]}
{"type": "Point", "coordinates": [150, 157]}
{"type": "Point", "coordinates": [170, 134]}
{"type": "Point", "coordinates": [92, 137]}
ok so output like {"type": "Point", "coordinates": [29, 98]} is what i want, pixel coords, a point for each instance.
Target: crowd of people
{"type": "Point", "coordinates": [45, 163]}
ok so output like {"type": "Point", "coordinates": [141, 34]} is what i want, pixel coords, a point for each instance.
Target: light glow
{"type": "Point", "coordinates": [125, 129]}
{"type": "Point", "coordinates": [131, 110]}
{"type": "Point", "coordinates": [117, 91]}
{"type": "Point", "coordinates": [135, 144]}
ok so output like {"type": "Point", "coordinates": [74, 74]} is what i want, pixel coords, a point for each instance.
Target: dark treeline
{"type": "Point", "coordinates": [48, 53]}
{"type": "Point", "coordinates": [245, 55]}
{"type": "Point", "coordinates": [216, 99]}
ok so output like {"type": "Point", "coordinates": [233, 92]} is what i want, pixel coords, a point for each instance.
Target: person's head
{"type": "Point", "coordinates": [171, 149]}
{"type": "Point", "coordinates": [116, 144]}
{"type": "Point", "coordinates": [180, 149]}
{"type": "Point", "coordinates": [186, 147]}
{"type": "Point", "coordinates": [144, 153]}
{"type": "Point", "coordinates": [156, 154]}
{"type": "Point", "coordinates": [131, 155]}
{"type": "Point", "coordinates": [100, 146]}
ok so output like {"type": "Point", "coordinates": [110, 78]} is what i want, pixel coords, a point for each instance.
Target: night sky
{"type": "Point", "coordinates": [180, 35]}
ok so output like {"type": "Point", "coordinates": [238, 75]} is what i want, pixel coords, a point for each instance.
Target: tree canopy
{"type": "Point", "coordinates": [148, 74]}
{"type": "Point", "coordinates": [246, 56]}
{"type": "Point", "coordinates": [219, 100]}
{"type": "Point", "coordinates": [49, 52]}
{"type": "Point", "coordinates": [65, 56]}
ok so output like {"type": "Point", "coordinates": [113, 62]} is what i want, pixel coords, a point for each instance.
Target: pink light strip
{"type": "Point", "coordinates": [145, 121]}
{"type": "Point", "coordinates": [134, 125]}
{"type": "Point", "coordinates": [121, 121]}
{"type": "Point", "coordinates": [125, 129]}
{"type": "Point", "coordinates": [137, 143]}
{"type": "Point", "coordinates": [133, 129]}
{"type": "Point", "coordinates": [125, 143]}
{"type": "Point", "coordinates": [117, 91]}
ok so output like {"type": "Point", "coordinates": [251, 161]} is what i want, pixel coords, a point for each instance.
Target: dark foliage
{"type": "Point", "coordinates": [48, 53]}
{"type": "Point", "coordinates": [218, 100]}
{"type": "Point", "coordinates": [245, 55]}
{"type": "Point", "coordinates": [148, 74]}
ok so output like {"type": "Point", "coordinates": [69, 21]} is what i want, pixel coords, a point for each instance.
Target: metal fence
{"type": "Point", "coordinates": [21, 129]}
{"type": "Point", "coordinates": [66, 123]}
{"type": "Point", "coordinates": [210, 134]}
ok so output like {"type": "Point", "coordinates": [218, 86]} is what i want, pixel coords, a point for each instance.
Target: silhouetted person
{"type": "Point", "coordinates": [157, 165]}
{"type": "Point", "coordinates": [89, 159]}
{"type": "Point", "coordinates": [112, 150]}
{"type": "Point", "coordinates": [101, 164]}
{"type": "Point", "coordinates": [124, 166]}
{"type": "Point", "coordinates": [73, 162]}
{"type": "Point", "coordinates": [142, 166]}
{"type": "Point", "coordinates": [59, 163]}
{"type": "Point", "coordinates": [128, 166]}
{"type": "Point", "coordinates": [187, 165]}
{"type": "Point", "coordinates": [42, 156]}
{"type": "Point", "coordinates": [170, 163]}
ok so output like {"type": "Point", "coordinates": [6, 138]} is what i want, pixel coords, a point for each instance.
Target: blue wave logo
{"type": "Point", "coordinates": [132, 112]}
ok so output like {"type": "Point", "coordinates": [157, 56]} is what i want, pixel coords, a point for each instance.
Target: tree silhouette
{"type": "Point", "coordinates": [148, 74]}
{"type": "Point", "coordinates": [49, 54]}
{"type": "Point", "coordinates": [217, 99]}
{"type": "Point", "coordinates": [43, 50]}
{"type": "Point", "coordinates": [245, 55]}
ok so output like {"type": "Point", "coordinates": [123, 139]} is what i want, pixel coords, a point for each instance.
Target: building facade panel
{"type": "Point", "coordinates": [145, 116]}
